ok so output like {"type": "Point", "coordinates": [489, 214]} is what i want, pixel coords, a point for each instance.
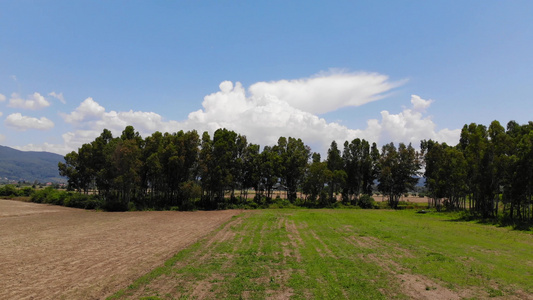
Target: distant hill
{"type": "Point", "coordinates": [16, 165]}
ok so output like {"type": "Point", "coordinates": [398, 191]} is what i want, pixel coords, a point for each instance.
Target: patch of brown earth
{"type": "Point", "coordinates": [413, 285]}
{"type": "Point", "coordinates": [201, 289]}
{"type": "Point", "coordinates": [295, 239]}
{"type": "Point", "coordinates": [52, 252]}
{"type": "Point", "coordinates": [419, 287]}
{"type": "Point", "coordinates": [280, 276]}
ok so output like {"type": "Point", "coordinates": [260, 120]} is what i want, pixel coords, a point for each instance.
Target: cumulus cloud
{"type": "Point", "coordinates": [2, 138]}
{"type": "Point", "coordinates": [2, 98]}
{"type": "Point", "coordinates": [327, 92]}
{"type": "Point", "coordinates": [87, 111]}
{"type": "Point", "coordinates": [58, 97]}
{"type": "Point", "coordinates": [34, 101]}
{"type": "Point", "coordinates": [90, 115]}
{"type": "Point", "coordinates": [90, 119]}
{"type": "Point", "coordinates": [47, 147]}
{"type": "Point", "coordinates": [411, 126]}
{"type": "Point", "coordinates": [262, 117]}
{"type": "Point", "coordinates": [420, 104]}
{"type": "Point", "coordinates": [22, 123]}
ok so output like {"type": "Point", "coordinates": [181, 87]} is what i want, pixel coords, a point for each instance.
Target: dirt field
{"type": "Point", "coordinates": [53, 252]}
{"type": "Point", "coordinates": [412, 199]}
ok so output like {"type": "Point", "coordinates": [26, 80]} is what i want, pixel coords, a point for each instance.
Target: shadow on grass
{"type": "Point", "coordinates": [521, 225]}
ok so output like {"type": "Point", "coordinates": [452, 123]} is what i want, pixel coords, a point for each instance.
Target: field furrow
{"type": "Point", "coordinates": [350, 254]}
{"type": "Point", "coordinates": [50, 252]}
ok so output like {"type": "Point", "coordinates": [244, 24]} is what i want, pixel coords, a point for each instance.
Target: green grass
{"type": "Point", "coordinates": [355, 254]}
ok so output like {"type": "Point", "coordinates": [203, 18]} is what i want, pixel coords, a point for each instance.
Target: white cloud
{"type": "Point", "coordinates": [267, 118]}
{"type": "Point", "coordinates": [22, 123]}
{"type": "Point", "coordinates": [1, 113]}
{"type": "Point", "coordinates": [411, 126]}
{"type": "Point", "coordinates": [90, 119]}
{"type": "Point", "coordinates": [2, 138]}
{"type": "Point", "coordinates": [44, 147]}
{"type": "Point", "coordinates": [90, 115]}
{"type": "Point", "coordinates": [2, 98]}
{"type": "Point", "coordinates": [87, 111]}
{"type": "Point", "coordinates": [262, 118]}
{"type": "Point", "coordinates": [34, 101]}
{"type": "Point", "coordinates": [420, 104]}
{"type": "Point", "coordinates": [327, 92]}
{"type": "Point", "coordinates": [58, 97]}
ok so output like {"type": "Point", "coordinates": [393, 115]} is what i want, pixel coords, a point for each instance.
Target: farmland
{"type": "Point", "coordinates": [52, 252]}
{"type": "Point", "coordinates": [355, 254]}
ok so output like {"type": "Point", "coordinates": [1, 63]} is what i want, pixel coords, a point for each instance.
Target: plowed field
{"type": "Point", "coordinates": [52, 252]}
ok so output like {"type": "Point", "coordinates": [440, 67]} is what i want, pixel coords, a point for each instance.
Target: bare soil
{"type": "Point", "coordinates": [412, 199]}
{"type": "Point", "coordinates": [53, 252]}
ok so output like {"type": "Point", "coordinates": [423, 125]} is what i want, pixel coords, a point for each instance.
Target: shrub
{"type": "Point", "coordinates": [27, 191]}
{"type": "Point", "coordinates": [281, 203]}
{"type": "Point", "coordinates": [9, 191]}
{"type": "Point", "coordinates": [131, 206]}
{"type": "Point", "coordinates": [93, 203]}
{"type": "Point", "coordinates": [366, 201]}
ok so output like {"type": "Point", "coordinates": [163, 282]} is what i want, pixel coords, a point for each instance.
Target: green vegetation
{"type": "Point", "coordinates": [356, 254]}
{"type": "Point", "coordinates": [490, 166]}
{"type": "Point", "coordinates": [181, 170]}
{"type": "Point", "coordinates": [11, 191]}
{"type": "Point", "coordinates": [488, 173]}
{"type": "Point", "coordinates": [53, 196]}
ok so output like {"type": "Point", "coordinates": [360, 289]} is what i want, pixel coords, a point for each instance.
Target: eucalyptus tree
{"type": "Point", "coordinates": [445, 174]}
{"type": "Point", "coordinates": [251, 169]}
{"type": "Point", "coordinates": [224, 156]}
{"type": "Point", "coordinates": [360, 166]}
{"type": "Point", "coordinates": [100, 148]}
{"type": "Point", "coordinates": [269, 168]}
{"type": "Point", "coordinates": [206, 164]}
{"type": "Point", "coordinates": [399, 169]}
{"type": "Point", "coordinates": [294, 156]}
{"type": "Point", "coordinates": [317, 176]}
{"type": "Point", "coordinates": [518, 191]}
{"type": "Point", "coordinates": [238, 170]}
{"type": "Point", "coordinates": [499, 163]}
{"type": "Point", "coordinates": [126, 164]}
{"type": "Point", "coordinates": [217, 163]}
{"type": "Point", "coordinates": [338, 175]}
{"type": "Point", "coordinates": [152, 173]}
{"type": "Point", "coordinates": [70, 169]}
{"type": "Point", "coordinates": [474, 143]}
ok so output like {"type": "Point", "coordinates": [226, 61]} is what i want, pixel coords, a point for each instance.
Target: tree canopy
{"type": "Point", "coordinates": [489, 172]}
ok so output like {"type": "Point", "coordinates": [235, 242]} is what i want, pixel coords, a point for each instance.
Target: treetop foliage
{"type": "Point", "coordinates": [487, 167]}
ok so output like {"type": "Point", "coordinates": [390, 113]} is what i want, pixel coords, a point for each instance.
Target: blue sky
{"type": "Point", "coordinates": [321, 70]}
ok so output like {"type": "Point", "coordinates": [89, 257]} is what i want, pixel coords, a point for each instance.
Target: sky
{"type": "Point", "coordinates": [385, 71]}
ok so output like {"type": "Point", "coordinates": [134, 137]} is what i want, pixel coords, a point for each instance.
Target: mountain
{"type": "Point", "coordinates": [29, 166]}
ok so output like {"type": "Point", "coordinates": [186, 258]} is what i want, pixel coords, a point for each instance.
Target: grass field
{"type": "Point", "coordinates": [355, 254]}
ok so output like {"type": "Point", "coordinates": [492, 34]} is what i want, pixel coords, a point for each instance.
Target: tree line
{"type": "Point", "coordinates": [488, 169]}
